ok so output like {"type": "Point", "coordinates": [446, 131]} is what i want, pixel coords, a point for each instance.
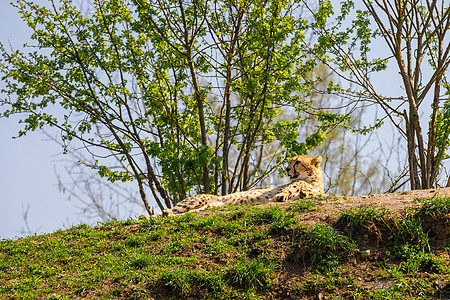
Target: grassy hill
{"type": "Point", "coordinates": [328, 248]}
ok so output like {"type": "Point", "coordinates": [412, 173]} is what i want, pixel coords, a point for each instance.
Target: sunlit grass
{"type": "Point", "coordinates": [243, 252]}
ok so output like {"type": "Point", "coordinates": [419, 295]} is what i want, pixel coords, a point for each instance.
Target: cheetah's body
{"type": "Point", "coordinates": [306, 180]}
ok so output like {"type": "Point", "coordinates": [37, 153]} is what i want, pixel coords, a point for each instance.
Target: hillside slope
{"type": "Point", "coordinates": [392, 246]}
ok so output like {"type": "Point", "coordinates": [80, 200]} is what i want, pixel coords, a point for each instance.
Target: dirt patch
{"type": "Point", "coordinates": [395, 203]}
{"type": "Point", "coordinates": [331, 206]}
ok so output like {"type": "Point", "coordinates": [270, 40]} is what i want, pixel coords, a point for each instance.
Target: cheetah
{"type": "Point", "coordinates": [303, 171]}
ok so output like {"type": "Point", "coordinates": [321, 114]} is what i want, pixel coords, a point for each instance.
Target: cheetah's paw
{"type": "Point", "coordinates": [167, 212]}
{"type": "Point", "coordinates": [280, 197]}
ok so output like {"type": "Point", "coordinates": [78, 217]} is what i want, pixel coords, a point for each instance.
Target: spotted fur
{"type": "Point", "coordinates": [306, 180]}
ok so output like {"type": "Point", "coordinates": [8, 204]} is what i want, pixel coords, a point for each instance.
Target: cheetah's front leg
{"type": "Point", "coordinates": [287, 195]}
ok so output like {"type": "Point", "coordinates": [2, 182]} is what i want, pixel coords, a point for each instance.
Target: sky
{"type": "Point", "coordinates": [28, 179]}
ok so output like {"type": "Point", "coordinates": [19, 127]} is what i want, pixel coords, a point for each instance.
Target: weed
{"type": "Point", "coordinates": [216, 246]}
{"type": "Point", "coordinates": [83, 227]}
{"type": "Point", "coordinates": [130, 221]}
{"type": "Point", "coordinates": [169, 260]}
{"type": "Point", "coordinates": [407, 285]}
{"type": "Point", "coordinates": [388, 294]}
{"type": "Point", "coordinates": [190, 282]}
{"type": "Point", "coordinates": [409, 238]}
{"type": "Point", "coordinates": [149, 224]}
{"type": "Point", "coordinates": [140, 262]}
{"type": "Point", "coordinates": [423, 262]}
{"type": "Point", "coordinates": [260, 216]}
{"type": "Point", "coordinates": [11, 248]}
{"type": "Point", "coordinates": [366, 221]}
{"type": "Point", "coordinates": [263, 247]}
{"type": "Point", "coordinates": [247, 238]}
{"type": "Point", "coordinates": [154, 235]}
{"type": "Point", "coordinates": [277, 219]}
{"type": "Point", "coordinates": [178, 243]}
{"type": "Point", "coordinates": [429, 263]}
{"type": "Point", "coordinates": [229, 228]}
{"type": "Point", "coordinates": [210, 223]}
{"type": "Point", "coordinates": [303, 205]}
{"type": "Point", "coordinates": [184, 221]}
{"type": "Point", "coordinates": [310, 285]}
{"type": "Point", "coordinates": [323, 247]}
{"type": "Point", "coordinates": [56, 297]}
{"type": "Point", "coordinates": [250, 275]}
{"type": "Point", "coordinates": [111, 223]}
{"type": "Point", "coordinates": [134, 241]}
{"type": "Point", "coordinates": [434, 207]}
{"type": "Point", "coordinates": [434, 214]}
{"type": "Point", "coordinates": [338, 277]}
{"type": "Point", "coordinates": [234, 254]}
{"type": "Point", "coordinates": [359, 217]}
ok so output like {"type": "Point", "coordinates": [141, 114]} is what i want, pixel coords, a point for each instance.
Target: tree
{"type": "Point", "coordinates": [416, 35]}
{"type": "Point", "coordinates": [180, 97]}
{"type": "Point", "coordinates": [351, 163]}
{"type": "Point", "coordinates": [415, 32]}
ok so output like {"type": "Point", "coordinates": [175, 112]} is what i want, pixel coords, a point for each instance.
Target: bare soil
{"type": "Point", "coordinates": [396, 203]}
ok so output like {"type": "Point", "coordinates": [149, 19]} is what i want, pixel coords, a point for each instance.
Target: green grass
{"type": "Point", "coordinates": [435, 207]}
{"type": "Point", "coordinates": [304, 205]}
{"type": "Point", "coordinates": [247, 275]}
{"type": "Point", "coordinates": [366, 222]}
{"type": "Point", "coordinates": [237, 253]}
{"type": "Point", "coordinates": [190, 282]}
{"type": "Point", "coordinates": [322, 247]}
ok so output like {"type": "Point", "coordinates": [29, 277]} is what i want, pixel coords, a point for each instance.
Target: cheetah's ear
{"type": "Point", "coordinates": [317, 160]}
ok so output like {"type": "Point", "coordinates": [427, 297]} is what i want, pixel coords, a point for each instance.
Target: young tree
{"type": "Point", "coordinates": [182, 96]}
{"type": "Point", "coordinates": [416, 35]}
{"type": "Point", "coordinates": [416, 32]}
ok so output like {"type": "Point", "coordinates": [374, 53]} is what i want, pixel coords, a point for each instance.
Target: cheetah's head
{"type": "Point", "coordinates": [302, 167]}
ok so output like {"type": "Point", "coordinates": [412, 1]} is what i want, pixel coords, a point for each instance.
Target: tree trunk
{"type": "Point", "coordinates": [198, 96]}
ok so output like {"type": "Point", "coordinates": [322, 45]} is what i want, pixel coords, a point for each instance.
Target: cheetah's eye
{"type": "Point", "coordinates": [288, 169]}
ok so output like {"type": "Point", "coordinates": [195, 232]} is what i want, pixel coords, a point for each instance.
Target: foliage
{"type": "Point", "coordinates": [180, 97]}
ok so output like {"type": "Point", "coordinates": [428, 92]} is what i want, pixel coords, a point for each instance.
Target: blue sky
{"type": "Point", "coordinates": [28, 163]}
